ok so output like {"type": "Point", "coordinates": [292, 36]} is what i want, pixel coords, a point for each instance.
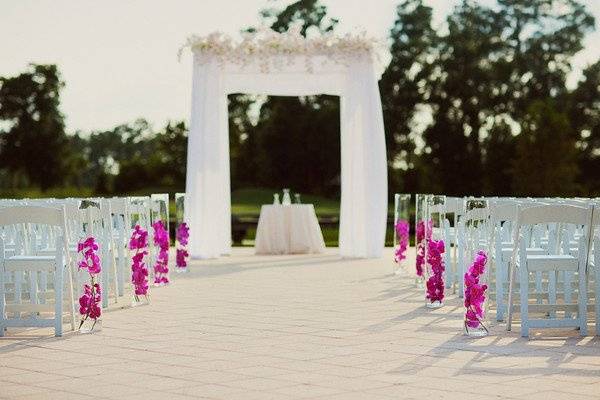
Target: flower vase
{"type": "Point", "coordinates": [401, 231]}
{"type": "Point", "coordinates": [476, 297]}
{"type": "Point", "coordinates": [420, 282]}
{"type": "Point", "coordinates": [420, 238]}
{"type": "Point", "coordinates": [478, 239]}
{"type": "Point", "coordinates": [435, 269]}
{"type": "Point", "coordinates": [182, 236]}
{"type": "Point", "coordinates": [140, 300]}
{"type": "Point", "coordinates": [90, 325]}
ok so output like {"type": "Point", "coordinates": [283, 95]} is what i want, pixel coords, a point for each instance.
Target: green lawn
{"type": "Point", "coordinates": [248, 201]}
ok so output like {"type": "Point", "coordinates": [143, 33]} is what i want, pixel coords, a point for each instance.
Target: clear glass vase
{"type": "Point", "coordinates": [401, 230]}
{"type": "Point", "coordinates": [421, 232]}
{"type": "Point", "coordinates": [179, 207]}
{"type": "Point", "coordinates": [140, 300]}
{"type": "Point", "coordinates": [160, 208]}
{"type": "Point", "coordinates": [181, 251]}
{"type": "Point", "coordinates": [477, 227]}
{"type": "Point", "coordinates": [435, 248]}
{"type": "Point", "coordinates": [90, 325]}
{"type": "Point", "coordinates": [276, 199]}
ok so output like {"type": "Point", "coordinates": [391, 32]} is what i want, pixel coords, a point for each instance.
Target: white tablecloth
{"type": "Point", "coordinates": [292, 229]}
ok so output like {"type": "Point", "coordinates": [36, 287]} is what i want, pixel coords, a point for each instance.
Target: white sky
{"type": "Point", "coordinates": [119, 57]}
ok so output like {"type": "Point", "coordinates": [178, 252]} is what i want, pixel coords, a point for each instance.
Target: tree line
{"type": "Point", "coordinates": [480, 107]}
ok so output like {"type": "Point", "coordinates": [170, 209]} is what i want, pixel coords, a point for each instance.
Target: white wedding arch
{"type": "Point", "coordinates": [286, 64]}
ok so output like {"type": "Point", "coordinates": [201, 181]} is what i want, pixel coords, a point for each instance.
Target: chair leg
{"type": "Point", "coordinates": [105, 276]}
{"type": "Point", "coordinates": [582, 301]}
{"type": "Point", "coordinates": [524, 289]}
{"type": "Point", "coordinates": [71, 296]}
{"type": "Point", "coordinates": [596, 268]}
{"type": "Point", "coordinates": [511, 279]}
{"type": "Point", "coordinates": [58, 299]}
{"type": "Point", "coordinates": [114, 270]}
{"type": "Point", "coordinates": [568, 290]}
{"type": "Point", "coordinates": [499, 287]}
{"type": "Point", "coordinates": [2, 295]}
{"type": "Point", "coordinates": [460, 271]}
{"type": "Point", "coordinates": [552, 291]}
{"type": "Point", "coordinates": [538, 287]}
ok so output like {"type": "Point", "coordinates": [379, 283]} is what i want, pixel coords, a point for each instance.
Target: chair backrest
{"type": "Point", "coordinates": [118, 205]}
{"type": "Point", "coordinates": [596, 215]}
{"type": "Point", "coordinates": [455, 205]}
{"type": "Point", "coordinates": [35, 221]}
{"type": "Point", "coordinates": [555, 213]}
{"type": "Point", "coordinates": [506, 211]}
{"type": "Point", "coordinates": [53, 216]}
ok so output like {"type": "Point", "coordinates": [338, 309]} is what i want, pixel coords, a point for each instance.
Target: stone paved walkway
{"type": "Point", "coordinates": [294, 327]}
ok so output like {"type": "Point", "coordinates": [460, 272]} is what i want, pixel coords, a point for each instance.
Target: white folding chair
{"type": "Point", "coordinates": [503, 218]}
{"type": "Point", "coordinates": [552, 263]}
{"type": "Point", "coordinates": [121, 224]}
{"type": "Point", "coordinates": [594, 264]}
{"type": "Point", "coordinates": [97, 223]}
{"type": "Point", "coordinates": [31, 220]}
{"type": "Point", "coordinates": [454, 209]}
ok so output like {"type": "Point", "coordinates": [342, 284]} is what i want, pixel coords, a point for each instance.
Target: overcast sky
{"type": "Point", "coordinates": [119, 57]}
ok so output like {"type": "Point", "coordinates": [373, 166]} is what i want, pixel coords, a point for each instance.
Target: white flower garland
{"type": "Point", "coordinates": [268, 48]}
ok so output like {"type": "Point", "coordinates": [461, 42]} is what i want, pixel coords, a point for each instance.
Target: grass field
{"type": "Point", "coordinates": [248, 201]}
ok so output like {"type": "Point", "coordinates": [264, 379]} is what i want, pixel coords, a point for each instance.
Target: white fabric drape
{"type": "Point", "coordinates": [363, 208]}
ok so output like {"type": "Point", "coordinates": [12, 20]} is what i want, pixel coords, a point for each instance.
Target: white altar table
{"type": "Point", "coordinates": [288, 229]}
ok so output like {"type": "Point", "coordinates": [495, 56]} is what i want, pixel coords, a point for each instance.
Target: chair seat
{"type": "Point", "coordinates": [508, 251]}
{"type": "Point", "coordinates": [30, 263]}
{"type": "Point", "coordinates": [551, 262]}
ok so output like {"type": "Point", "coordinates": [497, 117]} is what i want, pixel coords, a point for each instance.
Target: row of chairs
{"type": "Point", "coordinates": [39, 279]}
{"type": "Point", "coordinates": [543, 249]}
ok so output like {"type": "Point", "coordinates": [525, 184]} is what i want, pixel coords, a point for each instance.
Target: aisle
{"type": "Point", "coordinates": [291, 327]}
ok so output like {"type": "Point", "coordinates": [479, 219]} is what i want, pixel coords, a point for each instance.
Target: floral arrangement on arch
{"type": "Point", "coordinates": [265, 44]}
{"type": "Point", "coordinates": [402, 233]}
{"type": "Point", "coordinates": [182, 236]}
{"type": "Point", "coordinates": [139, 270]}
{"type": "Point", "coordinates": [161, 267]}
{"type": "Point", "coordinates": [475, 293]}
{"type": "Point", "coordinates": [89, 302]}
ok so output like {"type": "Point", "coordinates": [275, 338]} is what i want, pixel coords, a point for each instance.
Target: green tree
{"type": "Point", "coordinates": [172, 149]}
{"type": "Point", "coordinates": [584, 112]}
{"type": "Point", "coordinates": [34, 146]}
{"type": "Point", "coordinates": [405, 86]}
{"type": "Point", "coordinates": [295, 141]}
{"type": "Point", "coordinates": [498, 155]}
{"type": "Point", "coordinates": [463, 98]}
{"type": "Point", "coordinates": [541, 37]}
{"type": "Point", "coordinates": [546, 159]}
{"type": "Point", "coordinates": [475, 84]}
